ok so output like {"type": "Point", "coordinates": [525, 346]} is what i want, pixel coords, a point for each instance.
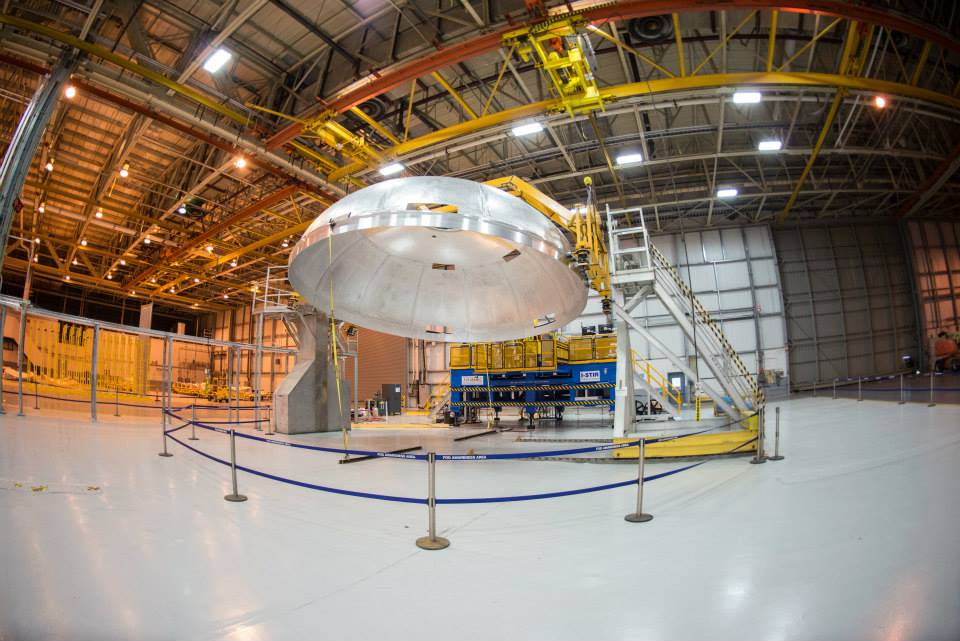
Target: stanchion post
{"type": "Point", "coordinates": [193, 422]}
{"type": "Point", "coordinates": [902, 399]}
{"type": "Point", "coordinates": [758, 456]}
{"type": "Point", "coordinates": [36, 394]}
{"type": "Point", "coordinates": [776, 438]}
{"type": "Point", "coordinates": [20, 348]}
{"type": "Point", "coordinates": [163, 404]}
{"type": "Point", "coordinates": [235, 496]}
{"type": "Point", "coordinates": [270, 431]}
{"type": "Point", "coordinates": [94, 357]}
{"type": "Point", "coordinates": [116, 398]}
{"type": "Point", "coordinates": [432, 541]}
{"type": "Point", "coordinates": [834, 388]}
{"type": "Point", "coordinates": [932, 402]}
{"type": "Point", "coordinates": [638, 516]}
{"type": "Point", "coordinates": [859, 388]}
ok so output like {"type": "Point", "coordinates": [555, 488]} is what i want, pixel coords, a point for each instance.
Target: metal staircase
{"type": "Point", "coordinates": [638, 271]}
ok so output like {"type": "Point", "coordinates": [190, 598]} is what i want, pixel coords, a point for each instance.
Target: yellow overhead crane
{"type": "Point", "coordinates": [563, 53]}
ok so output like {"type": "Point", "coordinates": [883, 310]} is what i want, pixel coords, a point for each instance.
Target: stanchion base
{"type": "Point", "coordinates": [775, 458]}
{"type": "Point", "coordinates": [192, 438]}
{"type": "Point", "coordinates": [756, 461]}
{"type": "Point", "coordinates": [638, 517]}
{"type": "Point", "coordinates": [928, 405]}
{"type": "Point", "coordinates": [901, 402]}
{"type": "Point", "coordinates": [235, 498]}
{"type": "Point", "coordinates": [165, 454]}
{"type": "Point", "coordinates": [436, 543]}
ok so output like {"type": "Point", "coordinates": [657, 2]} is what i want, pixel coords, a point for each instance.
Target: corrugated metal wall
{"type": "Point", "coordinates": [848, 299]}
{"type": "Point", "coordinates": [936, 262]}
{"type": "Point", "coordinates": [382, 361]}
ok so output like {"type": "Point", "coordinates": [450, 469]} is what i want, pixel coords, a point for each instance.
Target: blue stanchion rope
{"type": "Point", "coordinates": [444, 457]}
{"type": "Point", "coordinates": [440, 501]}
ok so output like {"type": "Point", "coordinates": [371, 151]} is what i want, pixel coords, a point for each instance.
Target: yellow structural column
{"type": "Point", "coordinates": [679, 40]}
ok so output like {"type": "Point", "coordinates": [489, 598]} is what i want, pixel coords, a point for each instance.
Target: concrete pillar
{"type": "Point", "coordinates": [307, 398]}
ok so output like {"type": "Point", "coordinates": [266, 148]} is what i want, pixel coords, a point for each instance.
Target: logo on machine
{"type": "Point", "coordinates": [593, 376]}
{"type": "Point", "coordinates": [473, 380]}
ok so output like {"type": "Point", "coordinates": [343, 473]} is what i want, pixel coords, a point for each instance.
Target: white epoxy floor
{"type": "Point", "coordinates": [856, 535]}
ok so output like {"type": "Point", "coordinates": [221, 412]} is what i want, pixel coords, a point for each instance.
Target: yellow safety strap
{"type": "Point", "coordinates": [333, 337]}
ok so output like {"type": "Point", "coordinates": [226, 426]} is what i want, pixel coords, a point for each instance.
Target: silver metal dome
{"type": "Point", "coordinates": [439, 258]}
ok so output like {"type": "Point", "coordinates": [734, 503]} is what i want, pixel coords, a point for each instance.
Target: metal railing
{"type": "Point", "coordinates": [737, 373]}
{"type": "Point", "coordinates": [656, 379]}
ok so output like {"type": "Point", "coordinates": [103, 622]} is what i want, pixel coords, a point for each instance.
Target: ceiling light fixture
{"type": "Point", "coordinates": [42, 207]}
{"type": "Point", "coordinates": [226, 296]}
{"type": "Point", "coordinates": [181, 209]}
{"type": "Point", "coordinates": [879, 102]}
{"type": "Point", "coordinates": [99, 213]}
{"type": "Point", "coordinates": [729, 192]}
{"type": "Point", "coordinates": [83, 242]}
{"type": "Point", "coordinates": [70, 92]}
{"type": "Point", "coordinates": [391, 169]}
{"type": "Point", "coordinates": [37, 240]}
{"type": "Point", "coordinates": [153, 280]}
{"type": "Point", "coordinates": [770, 145]}
{"type": "Point", "coordinates": [631, 158]}
{"type": "Point", "coordinates": [527, 129]}
{"type": "Point", "coordinates": [109, 276]}
{"type": "Point", "coordinates": [146, 241]}
{"type": "Point", "coordinates": [240, 162]}
{"type": "Point", "coordinates": [196, 280]}
{"type": "Point", "coordinates": [216, 60]}
{"type": "Point", "coordinates": [123, 262]}
{"type": "Point", "coordinates": [67, 277]}
{"type": "Point", "coordinates": [210, 248]}
{"type": "Point", "coordinates": [49, 165]}
{"type": "Point", "coordinates": [747, 97]}
{"type": "Point", "coordinates": [233, 263]}
{"type": "Point", "coordinates": [75, 261]}
{"type": "Point", "coordinates": [125, 170]}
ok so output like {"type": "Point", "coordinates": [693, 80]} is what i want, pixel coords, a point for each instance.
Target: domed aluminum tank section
{"type": "Point", "coordinates": [441, 259]}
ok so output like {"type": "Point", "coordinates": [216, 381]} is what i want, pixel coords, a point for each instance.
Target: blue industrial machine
{"type": "Point", "coordinates": [541, 375]}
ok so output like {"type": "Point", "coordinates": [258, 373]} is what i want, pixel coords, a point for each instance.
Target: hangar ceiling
{"type": "Point", "coordinates": [172, 183]}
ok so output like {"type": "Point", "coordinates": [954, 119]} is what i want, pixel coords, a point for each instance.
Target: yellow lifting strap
{"type": "Point", "coordinates": [333, 338]}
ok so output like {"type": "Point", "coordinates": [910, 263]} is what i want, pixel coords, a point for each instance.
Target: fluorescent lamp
{"type": "Point", "coordinates": [391, 169]}
{"type": "Point", "coordinates": [770, 145]}
{"type": "Point", "coordinates": [629, 159]}
{"type": "Point", "coordinates": [747, 97]}
{"type": "Point", "coordinates": [216, 60]}
{"type": "Point", "coordinates": [730, 192]}
{"type": "Point", "coordinates": [527, 128]}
